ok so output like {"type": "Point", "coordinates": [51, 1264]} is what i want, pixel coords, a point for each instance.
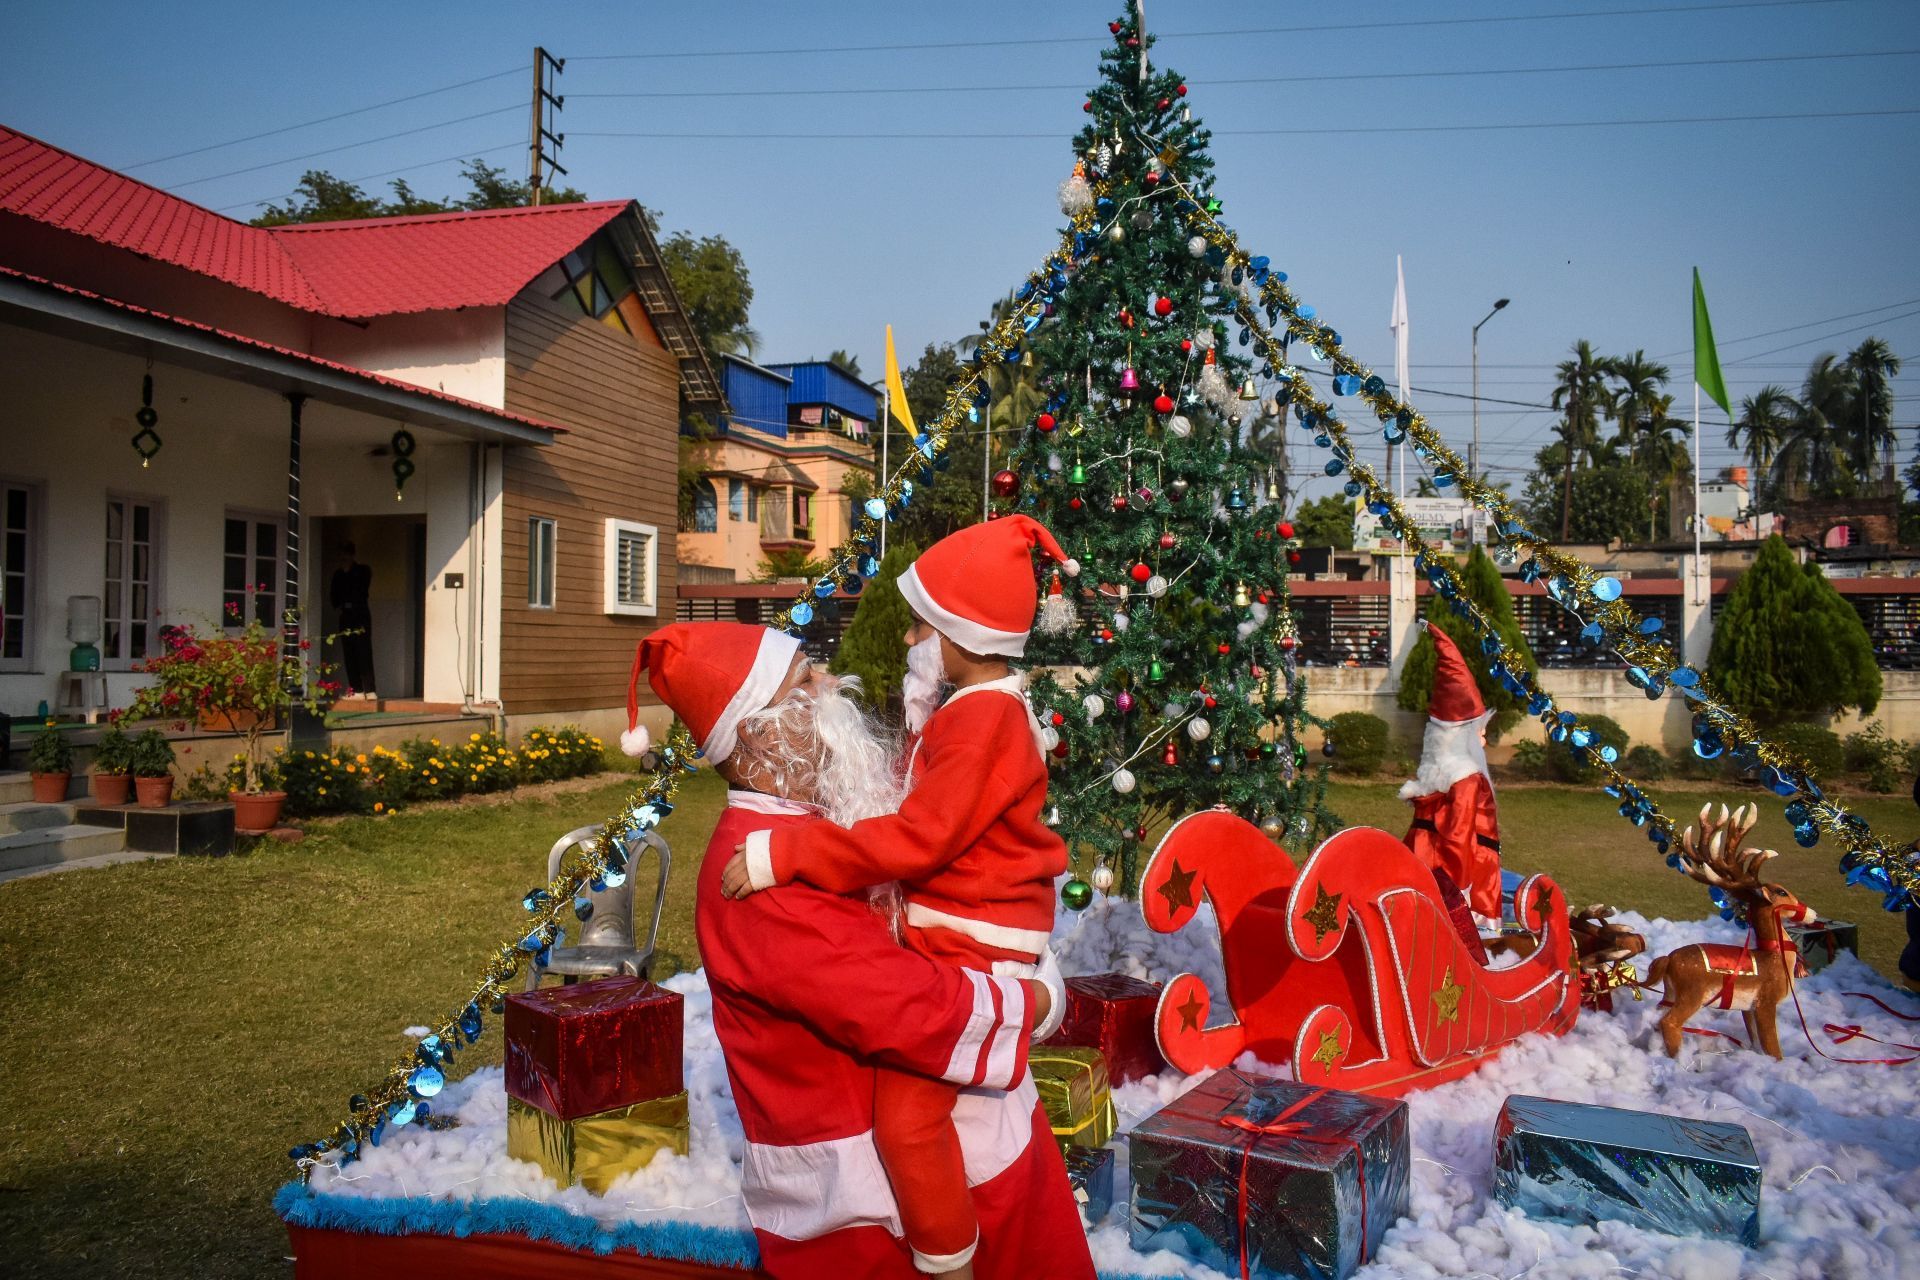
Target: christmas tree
{"type": "Point", "coordinates": [1170, 683]}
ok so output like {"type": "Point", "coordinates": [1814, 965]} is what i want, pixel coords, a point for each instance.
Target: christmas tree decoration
{"type": "Point", "coordinates": [1180, 427]}
{"type": "Point", "coordinates": [1123, 781]}
{"type": "Point", "coordinates": [1005, 483]}
{"type": "Point", "coordinates": [1140, 572]}
{"type": "Point", "coordinates": [1076, 894]}
{"type": "Point", "coordinates": [1171, 756]}
{"type": "Point", "coordinates": [1163, 403]}
{"type": "Point", "coordinates": [1101, 878]}
{"type": "Point", "coordinates": [1129, 380]}
{"type": "Point", "coordinates": [1199, 729]}
{"type": "Point", "coordinates": [1045, 422]}
{"type": "Point", "coordinates": [1163, 306]}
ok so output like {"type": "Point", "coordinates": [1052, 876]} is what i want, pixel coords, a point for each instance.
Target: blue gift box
{"type": "Point", "coordinates": [1263, 1177]}
{"type": "Point", "coordinates": [1090, 1174]}
{"type": "Point", "coordinates": [1574, 1162]}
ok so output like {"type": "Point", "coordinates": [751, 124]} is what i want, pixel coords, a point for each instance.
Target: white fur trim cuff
{"type": "Point", "coordinates": [940, 1263]}
{"type": "Point", "coordinates": [965, 632]}
{"type": "Point", "coordinates": [1031, 941]}
{"type": "Point", "coordinates": [760, 859]}
{"type": "Point", "coordinates": [770, 666]}
{"type": "Point", "coordinates": [636, 741]}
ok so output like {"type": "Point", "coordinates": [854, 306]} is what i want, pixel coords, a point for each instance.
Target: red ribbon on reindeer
{"type": "Point", "coordinates": [1283, 1125]}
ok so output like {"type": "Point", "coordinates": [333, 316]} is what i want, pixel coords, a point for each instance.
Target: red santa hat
{"type": "Point", "coordinates": [713, 674]}
{"type": "Point", "coordinates": [1456, 697]}
{"type": "Point", "coordinates": [976, 587]}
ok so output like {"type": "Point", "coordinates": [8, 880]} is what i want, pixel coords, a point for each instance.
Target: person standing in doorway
{"type": "Point", "coordinates": [348, 592]}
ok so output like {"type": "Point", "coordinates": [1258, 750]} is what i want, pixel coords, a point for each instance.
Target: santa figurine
{"type": "Point", "coordinates": [1456, 826]}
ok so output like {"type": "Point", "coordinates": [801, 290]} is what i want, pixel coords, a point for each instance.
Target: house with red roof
{"type": "Point", "coordinates": [201, 416]}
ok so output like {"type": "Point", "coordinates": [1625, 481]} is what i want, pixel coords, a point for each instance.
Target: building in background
{"type": "Point", "coordinates": [773, 478]}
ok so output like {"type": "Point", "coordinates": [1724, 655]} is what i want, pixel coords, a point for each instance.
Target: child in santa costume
{"type": "Point", "coordinates": [975, 861]}
{"type": "Point", "coordinates": [1456, 828]}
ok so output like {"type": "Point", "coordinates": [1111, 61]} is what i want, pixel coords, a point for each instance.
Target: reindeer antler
{"type": "Point", "coordinates": [1712, 855]}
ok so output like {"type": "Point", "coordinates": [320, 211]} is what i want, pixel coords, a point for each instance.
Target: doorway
{"type": "Point", "coordinates": [392, 551]}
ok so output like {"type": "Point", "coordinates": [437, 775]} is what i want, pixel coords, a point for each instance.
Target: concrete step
{"type": "Point", "coordinates": [82, 864]}
{"type": "Point", "coordinates": [33, 817]}
{"type": "Point", "coordinates": [16, 786]}
{"type": "Point", "coordinates": [50, 846]}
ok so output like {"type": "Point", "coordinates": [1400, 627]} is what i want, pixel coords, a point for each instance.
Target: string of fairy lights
{"type": "Point", "coordinates": [404, 1096]}
{"type": "Point", "coordinates": [1593, 598]}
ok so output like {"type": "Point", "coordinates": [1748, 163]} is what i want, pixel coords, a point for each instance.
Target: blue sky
{"type": "Point", "coordinates": [1592, 231]}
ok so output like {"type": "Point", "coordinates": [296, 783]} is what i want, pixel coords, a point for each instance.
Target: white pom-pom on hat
{"type": "Point", "coordinates": [636, 741]}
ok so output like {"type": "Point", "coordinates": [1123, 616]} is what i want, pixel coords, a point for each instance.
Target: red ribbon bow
{"type": "Point", "coordinates": [1283, 1125]}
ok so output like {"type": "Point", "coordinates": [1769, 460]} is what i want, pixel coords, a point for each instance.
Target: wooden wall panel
{"type": "Point", "coordinates": [620, 458]}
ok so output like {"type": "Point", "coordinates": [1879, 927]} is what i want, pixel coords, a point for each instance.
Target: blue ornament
{"type": "Point", "coordinates": [854, 585]}
{"type": "Point", "coordinates": [1306, 312]}
{"type": "Point", "coordinates": [1806, 835]}
{"type": "Point", "coordinates": [1345, 384]}
{"type": "Point", "coordinates": [1443, 479]}
{"type": "Point", "coordinates": [1374, 385]}
{"type": "Point", "coordinates": [824, 589]}
{"type": "Point", "coordinates": [403, 1113]}
{"type": "Point", "coordinates": [1393, 431]}
{"type": "Point", "coordinates": [1651, 626]}
{"type": "Point", "coordinates": [1606, 589]}
{"type": "Point", "coordinates": [875, 509]}
{"type": "Point", "coordinates": [1353, 488]}
{"type": "Point", "coordinates": [801, 614]}
{"type": "Point", "coordinates": [1335, 466]}
{"type": "Point", "coordinates": [425, 1082]}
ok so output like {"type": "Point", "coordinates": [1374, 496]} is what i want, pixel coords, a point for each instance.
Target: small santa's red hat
{"type": "Point", "coordinates": [1455, 698]}
{"type": "Point", "coordinates": [713, 674]}
{"type": "Point", "coordinates": [976, 587]}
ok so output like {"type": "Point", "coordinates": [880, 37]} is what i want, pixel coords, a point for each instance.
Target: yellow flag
{"type": "Point", "coordinates": [897, 390]}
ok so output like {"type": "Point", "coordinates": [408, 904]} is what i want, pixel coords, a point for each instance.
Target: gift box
{"type": "Point", "coordinates": [1115, 1014]}
{"type": "Point", "coordinates": [593, 1047]}
{"type": "Point", "coordinates": [1255, 1176]}
{"type": "Point", "coordinates": [1090, 1174]}
{"type": "Point", "coordinates": [1072, 1084]}
{"type": "Point", "coordinates": [1579, 1163]}
{"type": "Point", "coordinates": [1822, 941]}
{"type": "Point", "coordinates": [594, 1150]}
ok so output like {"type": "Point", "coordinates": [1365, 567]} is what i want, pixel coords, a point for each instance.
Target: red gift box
{"type": "Point", "coordinates": [580, 1050]}
{"type": "Point", "coordinates": [1114, 1013]}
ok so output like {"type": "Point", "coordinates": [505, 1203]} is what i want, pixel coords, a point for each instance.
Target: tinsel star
{"type": "Point", "coordinates": [1446, 1001]}
{"type": "Point", "coordinates": [1178, 890]}
{"type": "Point", "coordinates": [1329, 1051]}
{"type": "Point", "coordinates": [1324, 914]}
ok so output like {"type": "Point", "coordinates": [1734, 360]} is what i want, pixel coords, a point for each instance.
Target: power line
{"type": "Point", "coordinates": [1658, 11]}
{"type": "Point", "coordinates": [1455, 395]}
{"type": "Point", "coordinates": [255, 137]}
{"type": "Point", "coordinates": [1891, 306]}
{"type": "Point", "coordinates": [763, 136]}
{"type": "Point", "coordinates": [1905, 315]}
{"type": "Point", "coordinates": [1253, 80]}
{"type": "Point", "coordinates": [385, 173]}
{"type": "Point", "coordinates": [347, 146]}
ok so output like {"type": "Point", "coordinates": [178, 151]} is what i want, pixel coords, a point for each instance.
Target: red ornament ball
{"type": "Point", "coordinates": [1287, 643]}
{"type": "Point", "coordinates": [1074, 504]}
{"type": "Point", "coordinates": [1060, 750]}
{"type": "Point", "coordinates": [1044, 422]}
{"type": "Point", "coordinates": [1114, 27]}
{"type": "Point", "coordinates": [1224, 648]}
{"type": "Point", "coordinates": [1133, 42]}
{"type": "Point", "coordinates": [1166, 542]}
{"type": "Point", "coordinates": [1209, 701]}
{"type": "Point", "coordinates": [1164, 307]}
{"type": "Point", "coordinates": [1152, 179]}
{"type": "Point", "coordinates": [1180, 90]}
{"type": "Point", "coordinates": [1087, 106]}
{"type": "Point", "coordinates": [1140, 572]}
{"type": "Point", "coordinates": [1119, 502]}
{"type": "Point", "coordinates": [1286, 528]}
{"type": "Point", "coordinates": [1164, 103]}
{"type": "Point", "coordinates": [1126, 318]}
{"type": "Point", "coordinates": [1293, 557]}
{"type": "Point", "coordinates": [1058, 719]}
{"type": "Point", "coordinates": [1005, 483]}
{"type": "Point", "coordinates": [1163, 403]}
{"type": "Point", "coordinates": [1106, 634]}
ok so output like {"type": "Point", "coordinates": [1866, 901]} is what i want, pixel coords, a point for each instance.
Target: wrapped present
{"type": "Point", "coordinates": [1255, 1176]}
{"type": "Point", "coordinates": [593, 1047]}
{"type": "Point", "coordinates": [594, 1150]}
{"type": "Point", "coordinates": [1820, 942]}
{"type": "Point", "coordinates": [1073, 1088]}
{"type": "Point", "coordinates": [1115, 1014]}
{"type": "Point", "coordinates": [1090, 1174]}
{"type": "Point", "coordinates": [1579, 1163]}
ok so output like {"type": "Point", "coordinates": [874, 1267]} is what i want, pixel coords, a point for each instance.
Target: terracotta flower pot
{"type": "Point", "coordinates": [256, 812]}
{"type": "Point", "coordinates": [111, 788]}
{"type": "Point", "coordinates": [50, 788]}
{"type": "Point", "coordinates": [154, 793]}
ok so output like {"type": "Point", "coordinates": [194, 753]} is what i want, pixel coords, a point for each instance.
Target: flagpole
{"type": "Point", "coordinates": [1696, 471]}
{"type": "Point", "coordinates": [886, 429]}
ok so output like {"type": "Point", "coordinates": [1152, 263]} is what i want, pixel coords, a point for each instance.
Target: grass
{"type": "Point", "coordinates": [171, 1028]}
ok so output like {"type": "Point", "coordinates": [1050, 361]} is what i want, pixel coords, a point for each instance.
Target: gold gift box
{"type": "Point", "coordinates": [594, 1150]}
{"type": "Point", "coordinates": [1073, 1088]}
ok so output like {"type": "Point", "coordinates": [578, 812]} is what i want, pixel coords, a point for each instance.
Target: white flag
{"type": "Point", "coordinates": [1398, 326]}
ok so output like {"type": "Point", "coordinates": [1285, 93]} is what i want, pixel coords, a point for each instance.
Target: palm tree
{"type": "Point", "coordinates": [1873, 365]}
{"type": "Point", "coordinates": [1636, 404]}
{"type": "Point", "coordinates": [1815, 453]}
{"type": "Point", "coordinates": [1766, 418]}
{"type": "Point", "coordinates": [1582, 393]}
{"type": "Point", "coordinates": [849, 364]}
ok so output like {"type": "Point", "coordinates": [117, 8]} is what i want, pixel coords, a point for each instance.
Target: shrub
{"type": "Point", "coordinates": [114, 752]}
{"type": "Point", "coordinates": [485, 763]}
{"type": "Point", "coordinates": [1359, 741]}
{"type": "Point", "coordinates": [50, 752]}
{"type": "Point", "coordinates": [1529, 758]}
{"type": "Point", "coordinates": [551, 754]}
{"type": "Point", "coordinates": [434, 775]}
{"type": "Point", "coordinates": [1568, 766]}
{"type": "Point", "coordinates": [1646, 764]}
{"type": "Point", "coordinates": [1819, 747]}
{"type": "Point", "coordinates": [871, 649]}
{"type": "Point", "coordinates": [1788, 646]}
{"type": "Point", "coordinates": [1887, 762]}
{"type": "Point", "coordinates": [150, 755]}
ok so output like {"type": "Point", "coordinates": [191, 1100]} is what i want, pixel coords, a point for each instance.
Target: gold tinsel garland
{"type": "Point", "coordinates": [415, 1079]}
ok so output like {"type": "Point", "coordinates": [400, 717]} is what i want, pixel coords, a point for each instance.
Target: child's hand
{"type": "Point", "coordinates": [734, 881]}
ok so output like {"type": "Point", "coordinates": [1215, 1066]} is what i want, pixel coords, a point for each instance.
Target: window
{"type": "Point", "coordinates": [802, 513]}
{"type": "Point", "coordinates": [736, 499]}
{"type": "Point", "coordinates": [250, 572]}
{"type": "Point", "coordinates": [753, 502]}
{"type": "Point", "coordinates": [706, 508]}
{"type": "Point", "coordinates": [598, 282]}
{"type": "Point", "coordinates": [632, 564]}
{"type": "Point", "coordinates": [130, 599]}
{"type": "Point", "coordinates": [540, 562]}
{"type": "Point", "coordinates": [17, 573]}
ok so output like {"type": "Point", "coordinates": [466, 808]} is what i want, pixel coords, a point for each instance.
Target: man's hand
{"type": "Point", "coordinates": [734, 882]}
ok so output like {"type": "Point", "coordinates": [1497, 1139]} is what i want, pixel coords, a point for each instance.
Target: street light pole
{"type": "Point", "coordinates": [1473, 455]}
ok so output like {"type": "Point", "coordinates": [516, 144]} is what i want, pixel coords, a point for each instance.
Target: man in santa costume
{"type": "Point", "coordinates": [1456, 828]}
{"type": "Point", "coordinates": [811, 992]}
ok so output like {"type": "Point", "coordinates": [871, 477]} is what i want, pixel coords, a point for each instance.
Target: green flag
{"type": "Point", "coordinates": [1706, 360]}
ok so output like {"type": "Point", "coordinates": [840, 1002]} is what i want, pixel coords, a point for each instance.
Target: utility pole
{"type": "Point", "coordinates": [545, 104]}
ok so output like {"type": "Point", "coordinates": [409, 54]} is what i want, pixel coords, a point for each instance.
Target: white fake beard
{"type": "Point", "coordinates": [925, 681]}
{"type": "Point", "coordinates": [835, 757]}
{"type": "Point", "coordinates": [1448, 753]}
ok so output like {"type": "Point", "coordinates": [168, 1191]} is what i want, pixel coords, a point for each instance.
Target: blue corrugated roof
{"type": "Point", "coordinates": [817, 382]}
{"type": "Point", "coordinates": [756, 395]}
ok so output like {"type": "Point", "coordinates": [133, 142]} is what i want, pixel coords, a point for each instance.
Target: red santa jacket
{"type": "Point", "coordinates": [1458, 831]}
{"type": "Point", "coordinates": [968, 844]}
{"type": "Point", "coordinates": [809, 992]}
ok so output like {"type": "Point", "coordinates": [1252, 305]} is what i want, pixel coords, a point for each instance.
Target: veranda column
{"type": "Point", "coordinates": [1696, 608]}
{"type": "Point", "coordinates": [290, 630]}
{"type": "Point", "coordinates": [1403, 615]}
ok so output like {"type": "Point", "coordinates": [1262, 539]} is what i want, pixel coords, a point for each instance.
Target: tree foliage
{"type": "Point", "coordinates": [788, 562]}
{"type": "Point", "coordinates": [873, 647]}
{"type": "Point", "coordinates": [1486, 589]}
{"type": "Point", "coordinates": [951, 499]}
{"type": "Point", "coordinates": [1612, 497]}
{"type": "Point", "coordinates": [321, 197]}
{"type": "Point", "coordinates": [1325, 522]}
{"type": "Point", "coordinates": [1788, 647]}
{"type": "Point", "coordinates": [710, 275]}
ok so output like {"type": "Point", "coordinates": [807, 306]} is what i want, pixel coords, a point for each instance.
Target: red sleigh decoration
{"type": "Point", "coordinates": [1348, 967]}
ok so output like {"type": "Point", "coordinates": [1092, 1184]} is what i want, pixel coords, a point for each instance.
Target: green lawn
{"type": "Point", "coordinates": [169, 1029]}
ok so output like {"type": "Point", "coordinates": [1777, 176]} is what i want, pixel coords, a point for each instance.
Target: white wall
{"type": "Point", "coordinates": [463, 623]}
{"type": "Point", "coordinates": [462, 353]}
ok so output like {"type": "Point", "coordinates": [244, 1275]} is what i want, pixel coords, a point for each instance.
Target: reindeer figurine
{"type": "Point", "coordinates": [1601, 949]}
{"type": "Point", "coordinates": [1753, 978]}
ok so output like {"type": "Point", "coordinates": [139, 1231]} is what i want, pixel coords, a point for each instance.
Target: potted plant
{"type": "Point", "coordinates": [244, 683]}
{"type": "Point", "coordinates": [152, 762]}
{"type": "Point", "coordinates": [50, 759]}
{"type": "Point", "coordinates": [112, 778]}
